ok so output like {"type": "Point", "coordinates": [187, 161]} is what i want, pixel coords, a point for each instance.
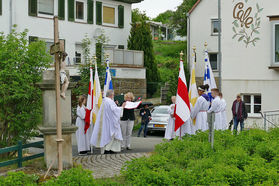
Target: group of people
{"type": "Point", "coordinates": [199, 112]}
{"type": "Point", "coordinates": [113, 127]}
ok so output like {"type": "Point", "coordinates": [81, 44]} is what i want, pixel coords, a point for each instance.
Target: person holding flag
{"type": "Point", "coordinates": [88, 127]}
{"type": "Point", "coordinates": [208, 74]}
{"type": "Point", "coordinates": [182, 105]}
{"type": "Point", "coordinates": [108, 81]}
{"type": "Point", "coordinates": [193, 91]}
{"type": "Point", "coordinates": [199, 112]}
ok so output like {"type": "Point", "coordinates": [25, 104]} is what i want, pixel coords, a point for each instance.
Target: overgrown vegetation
{"type": "Point", "coordinates": [167, 58]}
{"type": "Point", "coordinates": [21, 67]}
{"type": "Point", "coordinates": [250, 158]}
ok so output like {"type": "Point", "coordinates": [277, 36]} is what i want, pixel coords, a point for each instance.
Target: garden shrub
{"type": "Point", "coordinates": [250, 158]}
{"type": "Point", "coordinates": [18, 179]}
{"type": "Point", "coordinates": [73, 177]}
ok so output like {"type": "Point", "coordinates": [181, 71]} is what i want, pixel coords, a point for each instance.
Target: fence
{"type": "Point", "coordinates": [270, 119]}
{"type": "Point", "coordinates": [19, 148]}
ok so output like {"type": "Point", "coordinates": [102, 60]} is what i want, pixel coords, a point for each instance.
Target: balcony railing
{"type": "Point", "coordinates": [128, 58]}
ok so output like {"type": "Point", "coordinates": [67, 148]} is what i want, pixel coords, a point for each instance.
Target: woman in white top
{"type": "Point", "coordinates": [216, 107]}
{"type": "Point", "coordinates": [223, 112]}
{"type": "Point", "coordinates": [199, 112]}
{"type": "Point", "coordinates": [82, 138]}
{"type": "Point", "coordinates": [169, 133]}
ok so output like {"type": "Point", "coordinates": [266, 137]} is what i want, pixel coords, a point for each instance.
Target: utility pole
{"type": "Point", "coordinates": [56, 49]}
{"type": "Point", "coordinates": [219, 59]}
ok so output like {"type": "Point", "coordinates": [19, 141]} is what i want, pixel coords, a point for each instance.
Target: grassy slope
{"type": "Point", "coordinates": [167, 57]}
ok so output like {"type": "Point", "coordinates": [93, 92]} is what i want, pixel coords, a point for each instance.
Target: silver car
{"type": "Point", "coordinates": [160, 118]}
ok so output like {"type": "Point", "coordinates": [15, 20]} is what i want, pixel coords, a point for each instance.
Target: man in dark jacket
{"type": "Point", "coordinates": [239, 113]}
{"type": "Point", "coordinates": [145, 118]}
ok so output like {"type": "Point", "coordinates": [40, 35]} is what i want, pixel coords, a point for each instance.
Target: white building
{"type": "Point", "coordinates": [78, 18]}
{"type": "Point", "coordinates": [249, 46]}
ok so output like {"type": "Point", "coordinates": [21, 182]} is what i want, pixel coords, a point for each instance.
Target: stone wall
{"type": "Point", "coordinates": [137, 86]}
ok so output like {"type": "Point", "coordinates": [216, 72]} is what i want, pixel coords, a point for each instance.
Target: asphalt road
{"type": "Point", "coordinates": [138, 144]}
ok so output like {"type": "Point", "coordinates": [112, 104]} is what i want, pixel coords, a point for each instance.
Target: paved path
{"type": "Point", "coordinates": [106, 165]}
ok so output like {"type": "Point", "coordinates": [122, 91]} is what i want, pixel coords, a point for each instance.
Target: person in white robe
{"type": "Point", "coordinates": [199, 112]}
{"type": "Point", "coordinates": [82, 138]}
{"type": "Point", "coordinates": [169, 133]}
{"type": "Point", "coordinates": [223, 112]}
{"type": "Point", "coordinates": [216, 107]}
{"type": "Point", "coordinates": [107, 132]}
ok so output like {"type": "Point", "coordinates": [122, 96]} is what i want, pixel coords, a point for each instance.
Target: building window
{"type": "Point", "coordinates": [213, 58]}
{"type": "Point", "coordinates": [253, 104]}
{"type": "Point", "coordinates": [215, 26]}
{"type": "Point", "coordinates": [78, 55]}
{"type": "Point", "coordinates": [79, 10]}
{"type": "Point", "coordinates": [46, 7]}
{"type": "Point", "coordinates": [276, 42]}
{"type": "Point", "coordinates": [109, 15]}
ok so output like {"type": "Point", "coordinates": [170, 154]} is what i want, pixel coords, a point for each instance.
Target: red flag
{"type": "Point", "coordinates": [182, 105]}
{"type": "Point", "coordinates": [88, 118]}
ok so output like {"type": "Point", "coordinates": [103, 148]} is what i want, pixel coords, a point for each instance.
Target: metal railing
{"type": "Point", "coordinates": [125, 57]}
{"type": "Point", "coordinates": [19, 148]}
{"type": "Point", "coordinates": [270, 119]}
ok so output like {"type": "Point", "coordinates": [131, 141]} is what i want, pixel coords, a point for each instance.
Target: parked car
{"type": "Point", "coordinates": [160, 118]}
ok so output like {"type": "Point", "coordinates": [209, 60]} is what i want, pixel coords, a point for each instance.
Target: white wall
{"type": "Point", "coordinates": [72, 32]}
{"type": "Point", "coordinates": [200, 32]}
{"type": "Point", "coordinates": [244, 70]}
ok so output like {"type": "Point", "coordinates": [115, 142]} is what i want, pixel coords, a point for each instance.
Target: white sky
{"type": "Point", "coordinates": [155, 7]}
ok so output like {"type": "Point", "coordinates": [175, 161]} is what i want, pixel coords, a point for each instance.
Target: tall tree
{"type": "Point", "coordinates": [138, 16]}
{"type": "Point", "coordinates": [141, 39]}
{"type": "Point", "coordinates": [165, 17]}
{"type": "Point", "coordinates": [21, 68]}
{"type": "Point", "coordinates": [180, 16]}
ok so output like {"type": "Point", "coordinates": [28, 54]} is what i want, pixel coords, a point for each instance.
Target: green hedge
{"type": "Point", "coordinates": [251, 158]}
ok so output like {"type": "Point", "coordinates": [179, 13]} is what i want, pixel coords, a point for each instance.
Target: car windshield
{"type": "Point", "coordinates": [160, 110]}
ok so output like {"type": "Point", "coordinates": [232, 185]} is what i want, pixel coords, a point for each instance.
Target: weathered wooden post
{"type": "Point", "coordinates": [57, 124]}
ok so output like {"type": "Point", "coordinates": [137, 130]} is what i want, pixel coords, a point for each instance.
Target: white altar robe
{"type": "Point", "coordinates": [107, 131]}
{"type": "Point", "coordinates": [82, 139]}
{"type": "Point", "coordinates": [224, 115]}
{"type": "Point", "coordinates": [199, 113]}
{"type": "Point", "coordinates": [169, 133]}
{"type": "Point", "coordinates": [216, 107]}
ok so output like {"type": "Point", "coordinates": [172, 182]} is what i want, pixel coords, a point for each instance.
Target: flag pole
{"type": "Point", "coordinates": [181, 59]}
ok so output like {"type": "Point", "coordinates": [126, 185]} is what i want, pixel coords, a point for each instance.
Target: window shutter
{"type": "Point", "coordinates": [61, 9]}
{"type": "Point", "coordinates": [99, 13]}
{"type": "Point", "coordinates": [32, 7]}
{"type": "Point", "coordinates": [121, 16]}
{"type": "Point", "coordinates": [0, 7]}
{"type": "Point", "coordinates": [71, 10]}
{"type": "Point", "coordinates": [90, 11]}
{"type": "Point", "coordinates": [33, 39]}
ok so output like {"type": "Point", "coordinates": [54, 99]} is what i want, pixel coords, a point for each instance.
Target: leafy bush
{"type": "Point", "coordinates": [21, 67]}
{"type": "Point", "coordinates": [250, 158]}
{"type": "Point", "coordinates": [73, 177]}
{"type": "Point", "coordinates": [18, 179]}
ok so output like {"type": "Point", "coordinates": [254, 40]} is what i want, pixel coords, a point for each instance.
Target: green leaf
{"type": "Point", "coordinates": [236, 24]}
{"type": "Point", "coordinates": [256, 32]}
{"type": "Point", "coordinates": [241, 38]}
{"type": "Point", "coordinates": [233, 29]}
{"type": "Point", "coordinates": [252, 26]}
{"type": "Point", "coordinates": [258, 7]}
{"type": "Point", "coordinates": [234, 36]}
{"type": "Point", "coordinates": [261, 10]}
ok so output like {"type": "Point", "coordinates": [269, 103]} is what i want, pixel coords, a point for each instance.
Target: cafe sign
{"type": "Point", "coordinates": [247, 22]}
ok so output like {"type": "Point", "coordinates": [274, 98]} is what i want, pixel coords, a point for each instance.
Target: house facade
{"type": "Point", "coordinates": [249, 51]}
{"type": "Point", "coordinates": [77, 19]}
